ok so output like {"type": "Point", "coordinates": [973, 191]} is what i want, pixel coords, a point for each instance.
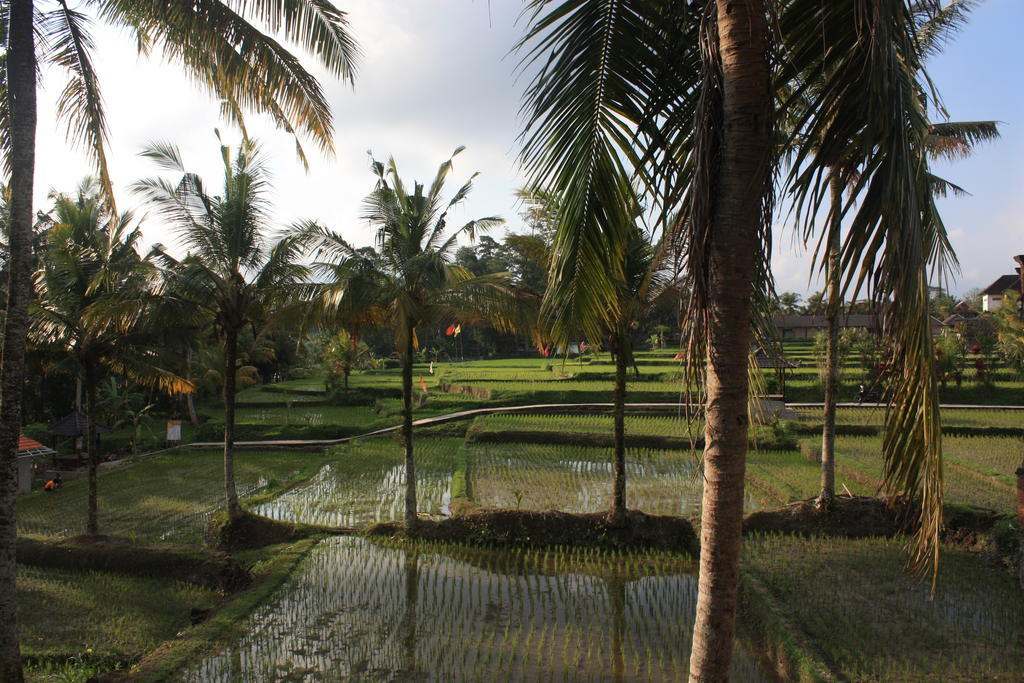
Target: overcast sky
{"type": "Point", "coordinates": [437, 74]}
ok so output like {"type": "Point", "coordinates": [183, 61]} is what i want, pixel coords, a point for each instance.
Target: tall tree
{"type": "Point", "coordinates": [934, 26]}
{"type": "Point", "coordinates": [231, 274]}
{"type": "Point", "coordinates": [411, 280]}
{"type": "Point", "coordinates": [643, 286]}
{"type": "Point", "coordinates": [680, 98]}
{"type": "Point", "coordinates": [17, 136]}
{"type": "Point", "coordinates": [95, 308]}
{"type": "Point", "coordinates": [221, 50]}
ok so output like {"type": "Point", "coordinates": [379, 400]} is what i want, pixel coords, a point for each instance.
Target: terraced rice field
{"type": "Point", "coordinates": [165, 498]}
{"type": "Point", "coordinates": [861, 612]}
{"type": "Point", "coordinates": [364, 482]}
{"type": "Point", "coordinates": [674, 426]}
{"type": "Point", "coordinates": [977, 469]}
{"type": "Point", "coordinates": [356, 611]}
{"type": "Point", "coordinates": [579, 479]}
{"type": "Point", "coordinates": [951, 417]}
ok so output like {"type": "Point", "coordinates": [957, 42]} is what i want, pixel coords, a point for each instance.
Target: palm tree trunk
{"type": "Point", "coordinates": [828, 427]}
{"type": "Point", "coordinates": [618, 515]}
{"type": "Point", "coordinates": [93, 524]}
{"type": "Point", "coordinates": [21, 98]}
{"type": "Point", "coordinates": [741, 187]}
{"type": "Point", "coordinates": [230, 375]}
{"type": "Point", "coordinates": [190, 403]}
{"type": "Point", "coordinates": [410, 464]}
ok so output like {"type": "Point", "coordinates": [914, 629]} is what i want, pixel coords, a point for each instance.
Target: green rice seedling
{"type": "Point", "coordinates": [164, 498]}
{"type": "Point", "coordinates": [967, 483]}
{"type": "Point", "coordinates": [363, 482]}
{"type": "Point", "coordinates": [951, 417]}
{"type": "Point", "coordinates": [64, 614]}
{"type": "Point", "coordinates": [416, 611]}
{"type": "Point", "coordinates": [858, 606]}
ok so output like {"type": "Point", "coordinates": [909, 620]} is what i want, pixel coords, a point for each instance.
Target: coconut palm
{"type": "Point", "coordinates": [685, 98]}
{"type": "Point", "coordinates": [218, 44]}
{"type": "Point", "coordinates": [232, 275]}
{"type": "Point", "coordinates": [94, 307]}
{"type": "Point", "coordinates": [343, 353]}
{"type": "Point", "coordinates": [643, 287]}
{"type": "Point", "coordinates": [949, 140]}
{"type": "Point", "coordinates": [410, 281]}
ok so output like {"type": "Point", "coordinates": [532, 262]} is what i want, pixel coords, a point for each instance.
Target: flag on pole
{"type": "Point", "coordinates": [678, 356]}
{"type": "Point", "coordinates": [450, 330]}
{"type": "Point", "coordinates": [423, 385]}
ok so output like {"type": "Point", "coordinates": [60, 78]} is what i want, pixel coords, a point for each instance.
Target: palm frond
{"type": "Point", "coordinates": [80, 105]}
{"type": "Point", "coordinates": [234, 60]}
{"type": "Point", "coordinates": [315, 25]}
{"type": "Point", "coordinates": [954, 140]}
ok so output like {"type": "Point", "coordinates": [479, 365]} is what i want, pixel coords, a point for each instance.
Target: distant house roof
{"type": "Point", "coordinates": [1002, 284]}
{"type": "Point", "coordinates": [75, 424]}
{"type": "Point", "coordinates": [820, 322]}
{"type": "Point", "coordinates": [964, 307]}
{"type": "Point", "coordinates": [972, 324]}
{"type": "Point", "coordinates": [959, 318]}
{"type": "Point", "coordinates": [28, 448]}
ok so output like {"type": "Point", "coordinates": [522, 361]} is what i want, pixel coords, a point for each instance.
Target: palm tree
{"type": "Point", "coordinates": [681, 96]}
{"type": "Point", "coordinates": [342, 354]}
{"type": "Point", "coordinates": [949, 140]}
{"type": "Point", "coordinates": [219, 48]}
{"type": "Point", "coordinates": [410, 281]}
{"type": "Point", "coordinates": [94, 306]}
{"type": "Point", "coordinates": [642, 288]}
{"type": "Point", "coordinates": [125, 406]}
{"type": "Point", "coordinates": [231, 275]}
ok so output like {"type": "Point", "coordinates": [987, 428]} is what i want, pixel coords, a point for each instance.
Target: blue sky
{"type": "Point", "coordinates": [437, 74]}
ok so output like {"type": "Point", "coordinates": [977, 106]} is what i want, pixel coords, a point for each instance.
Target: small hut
{"type": "Point", "coordinates": [75, 425]}
{"type": "Point", "coordinates": [28, 450]}
{"type": "Point", "coordinates": [769, 360]}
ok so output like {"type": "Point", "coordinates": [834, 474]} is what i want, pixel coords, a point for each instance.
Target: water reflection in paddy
{"type": "Point", "coordinates": [354, 610]}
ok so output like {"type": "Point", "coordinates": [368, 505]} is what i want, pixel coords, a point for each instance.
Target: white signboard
{"type": "Point", "coordinates": [174, 430]}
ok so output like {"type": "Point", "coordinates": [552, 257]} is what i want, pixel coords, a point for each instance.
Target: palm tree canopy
{"type": "Point", "coordinates": [410, 278]}
{"type": "Point", "coordinates": [231, 273]}
{"type": "Point", "coordinates": [96, 294]}
{"type": "Point", "coordinates": [218, 45]}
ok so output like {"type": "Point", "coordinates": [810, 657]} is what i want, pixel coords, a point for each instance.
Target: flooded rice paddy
{"type": "Point", "coordinates": [361, 610]}
{"type": "Point", "coordinates": [364, 482]}
{"type": "Point", "coordinates": [354, 610]}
